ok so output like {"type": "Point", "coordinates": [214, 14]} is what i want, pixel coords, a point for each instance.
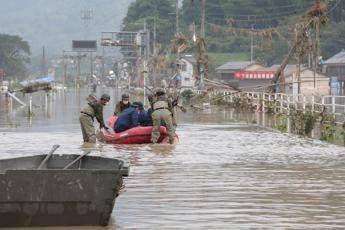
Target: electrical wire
{"type": "Point", "coordinates": [210, 3]}
{"type": "Point", "coordinates": [334, 6]}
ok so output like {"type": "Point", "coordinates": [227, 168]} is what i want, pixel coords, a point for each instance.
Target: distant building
{"type": "Point", "coordinates": [226, 72]}
{"type": "Point", "coordinates": [289, 69]}
{"type": "Point", "coordinates": [335, 69]}
{"type": "Point", "coordinates": [185, 72]}
{"type": "Point", "coordinates": [255, 77]}
{"type": "Point", "coordinates": [244, 74]}
{"type": "Point", "coordinates": [309, 85]}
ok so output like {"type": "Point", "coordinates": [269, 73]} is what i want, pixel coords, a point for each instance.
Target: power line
{"type": "Point", "coordinates": [265, 14]}
{"type": "Point", "coordinates": [275, 8]}
{"type": "Point", "coordinates": [232, 29]}
{"type": "Point", "coordinates": [257, 18]}
{"type": "Point", "coordinates": [293, 6]}
{"type": "Point", "coordinates": [334, 6]}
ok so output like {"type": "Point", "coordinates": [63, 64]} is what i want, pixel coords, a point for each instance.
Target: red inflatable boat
{"type": "Point", "coordinates": [137, 135]}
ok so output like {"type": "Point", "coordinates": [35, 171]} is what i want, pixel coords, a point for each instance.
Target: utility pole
{"type": "Point", "coordinates": [298, 31]}
{"type": "Point", "coordinates": [43, 66]}
{"type": "Point", "coordinates": [177, 17]}
{"type": "Point", "coordinates": [154, 51]}
{"type": "Point", "coordinates": [146, 58]}
{"type": "Point", "coordinates": [87, 16]}
{"type": "Point", "coordinates": [203, 15]}
{"type": "Point", "coordinates": [202, 66]}
{"type": "Point", "coordinates": [144, 76]}
{"type": "Point", "coordinates": [145, 29]}
{"type": "Point", "coordinates": [147, 45]}
{"type": "Point", "coordinates": [78, 64]}
{"type": "Point", "coordinates": [309, 51]}
{"type": "Point", "coordinates": [103, 64]}
{"type": "Point", "coordinates": [252, 44]}
{"type": "Point", "coordinates": [91, 69]}
{"type": "Point", "coordinates": [154, 35]}
{"type": "Point", "coordinates": [64, 67]}
{"type": "Point", "coordinates": [317, 52]}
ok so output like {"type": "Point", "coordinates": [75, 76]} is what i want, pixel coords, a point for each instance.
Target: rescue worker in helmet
{"type": "Point", "coordinates": [86, 117]}
{"type": "Point", "coordinates": [161, 115]}
{"type": "Point", "coordinates": [122, 105]}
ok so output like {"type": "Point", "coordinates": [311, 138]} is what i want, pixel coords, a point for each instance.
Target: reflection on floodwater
{"type": "Point", "coordinates": [224, 174]}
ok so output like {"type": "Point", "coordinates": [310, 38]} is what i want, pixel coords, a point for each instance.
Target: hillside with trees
{"type": "Point", "coordinates": [229, 23]}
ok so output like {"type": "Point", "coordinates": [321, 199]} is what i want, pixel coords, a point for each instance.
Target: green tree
{"type": "Point", "coordinates": [272, 54]}
{"type": "Point", "coordinates": [337, 11]}
{"type": "Point", "coordinates": [239, 14]}
{"type": "Point", "coordinates": [332, 39]}
{"type": "Point", "coordinates": [160, 10]}
{"type": "Point", "coordinates": [148, 8]}
{"type": "Point", "coordinates": [14, 55]}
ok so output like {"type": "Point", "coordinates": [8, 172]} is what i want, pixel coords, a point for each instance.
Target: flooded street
{"type": "Point", "coordinates": [224, 174]}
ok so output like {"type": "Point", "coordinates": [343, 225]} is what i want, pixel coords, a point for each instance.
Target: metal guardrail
{"type": "Point", "coordinates": [284, 102]}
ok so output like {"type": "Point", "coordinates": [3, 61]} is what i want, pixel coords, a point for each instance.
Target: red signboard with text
{"type": "Point", "coordinates": [254, 74]}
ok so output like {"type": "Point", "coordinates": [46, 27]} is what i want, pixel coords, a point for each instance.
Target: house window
{"type": "Point", "coordinates": [187, 79]}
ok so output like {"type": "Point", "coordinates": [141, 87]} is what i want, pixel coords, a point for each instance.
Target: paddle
{"type": "Point", "coordinates": [55, 147]}
{"type": "Point", "coordinates": [75, 160]}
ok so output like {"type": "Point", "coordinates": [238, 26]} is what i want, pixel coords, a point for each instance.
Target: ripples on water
{"type": "Point", "coordinates": [224, 174]}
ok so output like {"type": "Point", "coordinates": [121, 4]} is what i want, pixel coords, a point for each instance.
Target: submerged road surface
{"type": "Point", "coordinates": [224, 174]}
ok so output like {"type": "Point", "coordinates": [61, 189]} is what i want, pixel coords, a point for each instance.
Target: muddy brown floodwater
{"type": "Point", "coordinates": [224, 173]}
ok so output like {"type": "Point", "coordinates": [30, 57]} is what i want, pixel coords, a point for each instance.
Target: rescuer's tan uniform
{"type": "Point", "coordinates": [87, 115]}
{"type": "Point", "coordinates": [162, 116]}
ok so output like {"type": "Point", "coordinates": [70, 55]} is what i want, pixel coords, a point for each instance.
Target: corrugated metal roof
{"type": "Point", "coordinates": [339, 58]}
{"type": "Point", "coordinates": [234, 65]}
{"type": "Point", "coordinates": [288, 70]}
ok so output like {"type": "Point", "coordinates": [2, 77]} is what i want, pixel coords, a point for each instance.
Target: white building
{"type": "Point", "coordinates": [310, 84]}
{"type": "Point", "coordinates": [185, 77]}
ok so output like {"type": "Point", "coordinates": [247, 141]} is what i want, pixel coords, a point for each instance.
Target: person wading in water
{"type": "Point", "coordinates": [93, 109]}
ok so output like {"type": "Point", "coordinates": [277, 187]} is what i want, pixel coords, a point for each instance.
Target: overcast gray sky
{"type": "Point", "coordinates": [55, 23]}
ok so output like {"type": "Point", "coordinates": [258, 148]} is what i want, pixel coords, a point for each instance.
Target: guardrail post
{"type": "Point", "coordinates": [281, 98]}
{"type": "Point", "coordinates": [323, 102]}
{"type": "Point", "coordinates": [264, 102]}
{"type": "Point", "coordinates": [275, 102]}
{"type": "Point", "coordinates": [333, 104]}
{"type": "Point", "coordinates": [304, 102]}
{"type": "Point", "coordinates": [288, 115]}
{"type": "Point", "coordinates": [313, 103]}
{"type": "Point", "coordinates": [258, 102]}
{"type": "Point", "coordinates": [30, 105]}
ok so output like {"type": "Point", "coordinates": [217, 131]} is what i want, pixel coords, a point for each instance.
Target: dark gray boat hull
{"type": "Point", "coordinates": [56, 197]}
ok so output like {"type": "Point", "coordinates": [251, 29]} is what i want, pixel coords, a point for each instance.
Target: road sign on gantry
{"type": "Point", "coordinates": [84, 45]}
{"type": "Point", "coordinates": [119, 39]}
